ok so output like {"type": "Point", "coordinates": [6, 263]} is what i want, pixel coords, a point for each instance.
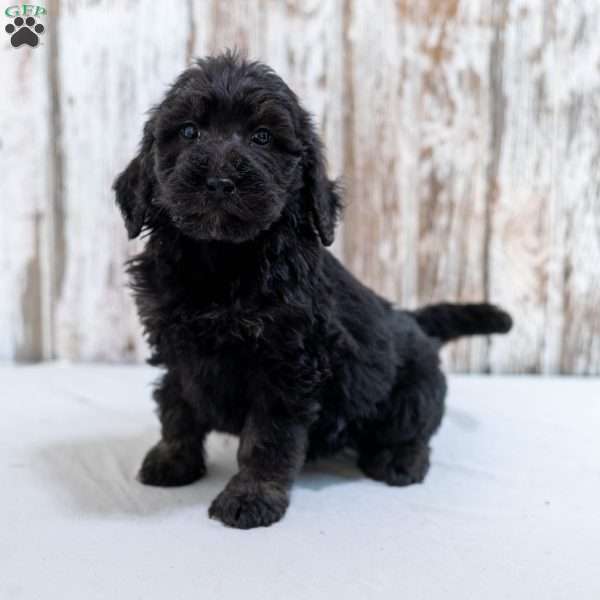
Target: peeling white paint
{"type": "Point", "coordinates": [24, 149]}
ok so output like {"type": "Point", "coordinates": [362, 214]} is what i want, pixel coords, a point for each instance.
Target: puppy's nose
{"type": "Point", "coordinates": [220, 185]}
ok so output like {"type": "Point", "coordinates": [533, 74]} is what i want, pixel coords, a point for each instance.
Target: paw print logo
{"type": "Point", "coordinates": [24, 31]}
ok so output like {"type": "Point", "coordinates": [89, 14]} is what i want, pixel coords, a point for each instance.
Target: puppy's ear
{"type": "Point", "coordinates": [135, 186]}
{"type": "Point", "coordinates": [320, 194]}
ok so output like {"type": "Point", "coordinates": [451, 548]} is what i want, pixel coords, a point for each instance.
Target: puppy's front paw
{"type": "Point", "coordinates": [171, 465]}
{"type": "Point", "coordinates": [249, 504]}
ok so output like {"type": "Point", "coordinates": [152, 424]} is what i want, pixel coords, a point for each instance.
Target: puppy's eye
{"type": "Point", "coordinates": [261, 136]}
{"type": "Point", "coordinates": [189, 131]}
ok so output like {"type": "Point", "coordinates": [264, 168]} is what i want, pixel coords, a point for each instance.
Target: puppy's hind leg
{"type": "Point", "coordinates": [403, 464]}
{"type": "Point", "coordinates": [178, 458]}
{"type": "Point", "coordinates": [395, 448]}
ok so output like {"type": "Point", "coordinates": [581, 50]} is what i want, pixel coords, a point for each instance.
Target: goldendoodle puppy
{"type": "Point", "coordinates": [262, 332]}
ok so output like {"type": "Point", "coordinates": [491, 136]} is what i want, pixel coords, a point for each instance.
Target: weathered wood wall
{"type": "Point", "coordinates": [467, 131]}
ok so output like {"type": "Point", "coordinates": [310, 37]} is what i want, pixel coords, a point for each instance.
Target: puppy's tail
{"type": "Point", "coordinates": [447, 322]}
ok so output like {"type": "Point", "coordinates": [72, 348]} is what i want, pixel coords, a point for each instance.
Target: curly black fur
{"type": "Point", "coordinates": [263, 333]}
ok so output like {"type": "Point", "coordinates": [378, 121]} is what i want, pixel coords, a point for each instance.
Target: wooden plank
{"type": "Point", "coordinates": [576, 93]}
{"type": "Point", "coordinates": [131, 51]}
{"type": "Point", "coordinates": [301, 40]}
{"type": "Point", "coordinates": [545, 247]}
{"type": "Point", "coordinates": [24, 147]}
{"type": "Point", "coordinates": [419, 123]}
{"type": "Point", "coordinates": [520, 216]}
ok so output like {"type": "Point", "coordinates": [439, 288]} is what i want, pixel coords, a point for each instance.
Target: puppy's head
{"type": "Point", "coordinates": [224, 153]}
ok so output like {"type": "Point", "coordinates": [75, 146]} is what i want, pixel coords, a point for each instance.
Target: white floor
{"type": "Point", "coordinates": [511, 507]}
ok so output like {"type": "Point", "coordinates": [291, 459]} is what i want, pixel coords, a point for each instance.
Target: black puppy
{"type": "Point", "coordinates": [263, 333]}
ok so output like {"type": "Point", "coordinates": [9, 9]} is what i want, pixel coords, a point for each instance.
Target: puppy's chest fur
{"type": "Point", "coordinates": [193, 309]}
{"type": "Point", "coordinates": [232, 336]}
